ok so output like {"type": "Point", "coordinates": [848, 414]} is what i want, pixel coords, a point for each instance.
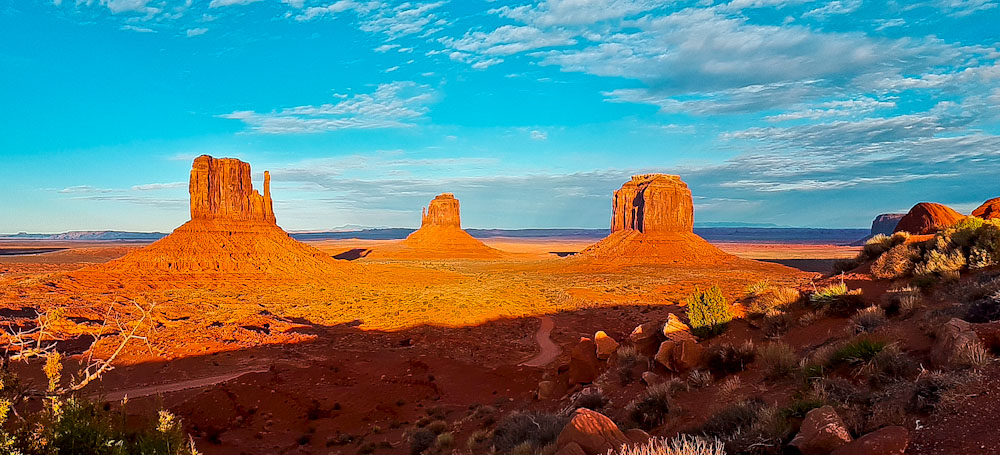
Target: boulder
{"type": "Point", "coordinates": [571, 449]}
{"type": "Point", "coordinates": [584, 367]}
{"type": "Point", "coordinates": [637, 436]}
{"type": "Point", "coordinates": [651, 378]}
{"type": "Point", "coordinates": [675, 330]}
{"type": "Point", "coordinates": [652, 223]}
{"type": "Point", "coordinates": [953, 337]}
{"type": "Point", "coordinates": [594, 432]}
{"type": "Point", "coordinates": [646, 337]}
{"type": "Point", "coordinates": [679, 356]}
{"type": "Point", "coordinates": [989, 210]}
{"type": "Point", "coordinates": [885, 223]}
{"type": "Point", "coordinates": [822, 432]}
{"type": "Point", "coordinates": [928, 218]}
{"type": "Point", "coordinates": [547, 390]}
{"type": "Point", "coordinates": [605, 345]}
{"type": "Point", "coordinates": [884, 441]}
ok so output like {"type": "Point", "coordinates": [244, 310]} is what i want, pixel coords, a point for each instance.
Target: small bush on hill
{"type": "Point", "coordinates": [778, 359]}
{"type": "Point", "coordinates": [682, 445]}
{"type": "Point", "coordinates": [857, 352]}
{"type": "Point", "coordinates": [421, 440]}
{"type": "Point", "coordinates": [535, 429]}
{"type": "Point", "coordinates": [708, 312]}
{"type": "Point", "coordinates": [891, 365]}
{"type": "Point", "coordinates": [934, 390]}
{"type": "Point", "coordinates": [837, 298]}
{"type": "Point", "coordinates": [726, 358]}
{"type": "Point", "coordinates": [868, 319]}
{"type": "Point", "coordinates": [772, 302]}
{"type": "Point", "coordinates": [898, 262]}
{"type": "Point", "coordinates": [651, 408]}
{"type": "Point", "coordinates": [590, 398]}
{"type": "Point", "coordinates": [734, 418]}
{"type": "Point", "coordinates": [901, 301]}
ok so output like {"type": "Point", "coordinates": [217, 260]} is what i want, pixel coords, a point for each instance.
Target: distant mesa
{"type": "Point", "coordinates": [652, 222]}
{"type": "Point", "coordinates": [440, 236]}
{"type": "Point", "coordinates": [885, 223]}
{"type": "Point", "coordinates": [232, 230]}
{"type": "Point", "coordinates": [928, 218]}
{"type": "Point", "coordinates": [989, 210]}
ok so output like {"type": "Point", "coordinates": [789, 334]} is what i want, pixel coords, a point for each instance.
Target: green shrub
{"type": "Point", "coordinates": [708, 312]}
{"type": "Point", "coordinates": [837, 298]}
{"type": "Point", "coordinates": [857, 352]}
{"type": "Point", "coordinates": [652, 407]}
{"type": "Point", "coordinates": [938, 262]}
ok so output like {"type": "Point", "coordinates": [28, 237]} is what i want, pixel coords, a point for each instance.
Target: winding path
{"type": "Point", "coordinates": [197, 383]}
{"type": "Point", "coordinates": [548, 350]}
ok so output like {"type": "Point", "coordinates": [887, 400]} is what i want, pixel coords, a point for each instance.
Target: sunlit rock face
{"type": "Point", "coordinates": [442, 211]}
{"type": "Point", "coordinates": [221, 189]}
{"type": "Point", "coordinates": [928, 218]}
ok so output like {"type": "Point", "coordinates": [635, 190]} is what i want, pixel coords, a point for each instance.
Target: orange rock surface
{"type": "Point", "coordinates": [928, 218]}
{"type": "Point", "coordinates": [232, 230]}
{"type": "Point", "coordinates": [440, 236]}
{"type": "Point", "coordinates": [652, 222]}
{"type": "Point", "coordinates": [989, 210]}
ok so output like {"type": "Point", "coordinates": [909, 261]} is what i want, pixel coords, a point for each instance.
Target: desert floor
{"type": "Point", "coordinates": [329, 364]}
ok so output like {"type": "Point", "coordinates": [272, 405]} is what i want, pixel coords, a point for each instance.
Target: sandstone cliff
{"type": "Point", "coordinates": [652, 222]}
{"type": "Point", "coordinates": [989, 210]}
{"type": "Point", "coordinates": [928, 218]}
{"type": "Point", "coordinates": [221, 189]}
{"type": "Point", "coordinates": [886, 223]}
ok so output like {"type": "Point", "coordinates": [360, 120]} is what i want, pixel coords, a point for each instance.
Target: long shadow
{"type": "Point", "coordinates": [824, 266]}
{"type": "Point", "coordinates": [353, 254]}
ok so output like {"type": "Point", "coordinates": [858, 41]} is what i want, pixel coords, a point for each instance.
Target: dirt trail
{"type": "Point", "coordinates": [548, 350]}
{"type": "Point", "coordinates": [197, 383]}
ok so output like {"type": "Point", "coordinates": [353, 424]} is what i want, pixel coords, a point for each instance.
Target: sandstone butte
{"type": "Point", "coordinates": [440, 236]}
{"type": "Point", "coordinates": [232, 230]}
{"type": "Point", "coordinates": [652, 221]}
{"type": "Point", "coordinates": [928, 218]}
{"type": "Point", "coordinates": [989, 210]}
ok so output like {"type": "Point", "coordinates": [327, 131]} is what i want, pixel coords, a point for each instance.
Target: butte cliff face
{"type": "Point", "coordinates": [232, 231]}
{"type": "Point", "coordinates": [440, 236]}
{"type": "Point", "coordinates": [652, 222]}
{"type": "Point", "coordinates": [928, 218]}
{"type": "Point", "coordinates": [885, 223]}
{"type": "Point", "coordinates": [989, 210]}
{"type": "Point", "coordinates": [221, 189]}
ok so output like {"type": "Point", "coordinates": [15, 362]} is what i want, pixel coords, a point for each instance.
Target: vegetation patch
{"type": "Point", "coordinates": [708, 312]}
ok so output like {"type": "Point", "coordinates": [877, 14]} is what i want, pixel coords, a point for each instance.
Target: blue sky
{"type": "Point", "coordinates": [794, 112]}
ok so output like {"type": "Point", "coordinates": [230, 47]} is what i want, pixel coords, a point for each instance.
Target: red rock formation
{"type": "Point", "coordinates": [652, 203]}
{"type": "Point", "coordinates": [989, 210]}
{"type": "Point", "coordinates": [928, 218]}
{"type": "Point", "coordinates": [232, 230]}
{"type": "Point", "coordinates": [440, 236]}
{"type": "Point", "coordinates": [594, 432]}
{"type": "Point", "coordinates": [653, 222]}
{"type": "Point", "coordinates": [885, 223]}
{"type": "Point", "coordinates": [221, 190]}
{"type": "Point", "coordinates": [442, 211]}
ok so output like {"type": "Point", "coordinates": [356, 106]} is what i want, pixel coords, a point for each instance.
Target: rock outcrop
{"type": "Point", "coordinates": [821, 432]}
{"type": "Point", "coordinates": [440, 236]}
{"type": "Point", "coordinates": [928, 218]}
{"type": "Point", "coordinates": [652, 222]}
{"type": "Point", "coordinates": [594, 432]}
{"type": "Point", "coordinates": [221, 189]}
{"type": "Point", "coordinates": [232, 231]}
{"type": "Point", "coordinates": [884, 441]}
{"type": "Point", "coordinates": [885, 223]}
{"type": "Point", "coordinates": [989, 210]}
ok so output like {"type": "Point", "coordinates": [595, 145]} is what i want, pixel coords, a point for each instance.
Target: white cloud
{"type": "Point", "coordinates": [577, 12]}
{"type": "Point", "coordinates": [962, 8]}
{"type": "Point", "coordinates": [136, 28]}
{"type": "Point", "coordinates": [539, 135]}
{"type": "Point", "coordinates": [835, 7]}
{"type": "Point", "coordinates": [393, 105]}
{"type": "Point", "coordinates": [195, 32]}
{"type": "Point", "coordinates": [386, 47]}
{"type": "Point", "coordinates": [159, 186]}
{"type": "Point", "coordinates": [331, 10]}
{"type": "Point", "coordinates": [126, 6]}
{"type": "Point", "coordinates": [401, 20]}
{"type": "Point", "coordinates": [221, 3]}
{"type": "Point", "coordinates": [508, 40]}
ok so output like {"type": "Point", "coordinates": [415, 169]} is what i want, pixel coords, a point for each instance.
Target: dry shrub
{"type": "Point", "coordinates": [972, 355]}
{"type": "Point", "coordinates": [681, 445]}
{"type": "Point", "coordinates": [902, 301]}
{"type": "Point", "coordinates": [891, 365]}
{"type": "Point", "coordinates": [778, 325]}
{"type": "Point", "coordinates": [727, 358]}
{"type": "Point", "coordinates": [730, 387]}
{"type": "Point", "coordinates": [590, 398]}
{"type": "Point", "coordinates": [837, 298]}
{"type": "Point", "coordinates": [777, 359]}
{"type": "Point", "coordinates": [869, 319]}
{"type": "Point", "coordinates": [699, 378]}
{"type": "Point", "coordinates": [534, 429]}
{"type": "Point", "coordinates": [898, 262]}
{"type": "Point", "coordinates": [941, 263]}
{"type": "Point", "coordinates": [773, 301]}
{"type": "Point", "coordinates": [651, 408]}
{"type": "Point", "coordinates": [937, 391]}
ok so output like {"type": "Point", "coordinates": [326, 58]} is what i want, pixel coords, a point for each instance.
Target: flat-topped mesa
{"type": "Point", "coordinates": [442, 211]}
{"type": "Point", "coordinates": [221, 190]}
{"type": "Point", "coordinates": [653, 203]}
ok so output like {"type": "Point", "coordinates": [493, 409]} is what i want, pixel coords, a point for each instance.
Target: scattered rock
{"type": "Point", "coordinates": [605, 345]}
{"type": "Point", "coordinates": [571, 449]}
{"type": "Point", "coordinates": [928, 218]}
{"type": "Point", "coordinates": [989, 210]}
{"type": "Point", "coordinates": [884, 441]}
{"type": "Point", "coordinates": [547, 390]}
{"type": "Point", "coordinates": [651, 378]}
{"type": "Point", "coordinates": [646, 337]}
{"type": "Point", "coordinates": [822, 431]}
{"type": "Point", "coordinates": [679, 356]}
{"type": "Point", "coordinates": [675, 330]}
{"type": "Point", "coordinates": [584, 366]}
{"type": "Point", "coordinates": [637, 436]}
{"type": "Point", "coordinates": [594, 432]}
{"type": "Point", "coordinates": [951, 338]}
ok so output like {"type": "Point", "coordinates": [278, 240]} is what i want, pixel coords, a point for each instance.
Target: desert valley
{"type": "Point", "coordinates": [445, 343]}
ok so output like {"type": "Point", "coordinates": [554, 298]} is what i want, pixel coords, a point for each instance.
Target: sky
{"type": "Point", "coordinates": [791, 112]}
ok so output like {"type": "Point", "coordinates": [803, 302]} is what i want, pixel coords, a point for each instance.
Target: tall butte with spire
{"type": "Point", "coordinates": [652, 221]}
{"type": "Point", "coordinates": [232, 230]}
{"type": "Point", "coordinates": [440, 236]}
